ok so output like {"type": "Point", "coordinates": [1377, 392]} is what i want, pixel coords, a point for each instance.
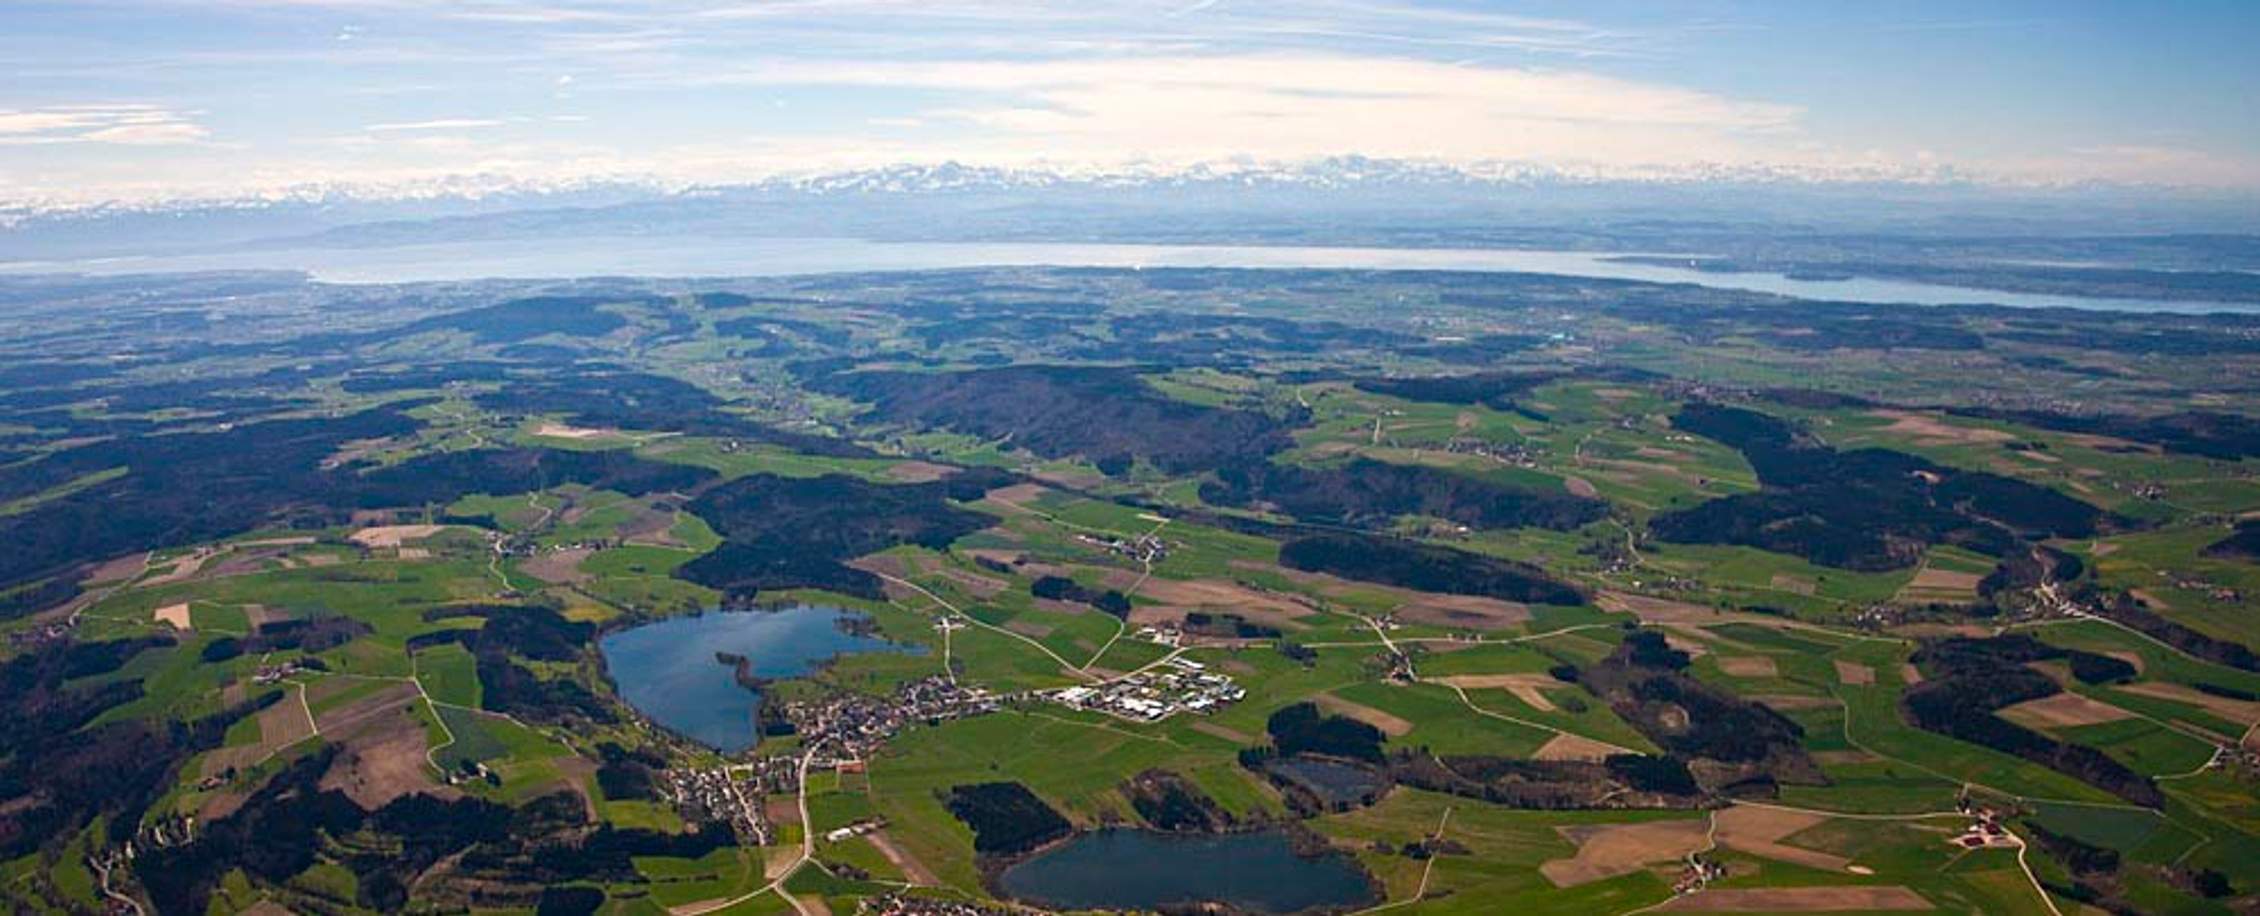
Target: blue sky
{"type": "Point", "coordinates": [139, 99]}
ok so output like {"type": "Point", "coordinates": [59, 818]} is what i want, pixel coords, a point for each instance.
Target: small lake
{"type": "Point", "coordinates": [1334, 783]}
{"type": "Point", "coordinates": [1143, 869]}
{"type": "Point", "coordinates": [667, 670]}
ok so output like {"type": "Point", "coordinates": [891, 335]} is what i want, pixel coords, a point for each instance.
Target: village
{"type": "Point", "coordinates": [845, 729]}
{"type": "Point", "coordinates": [1177, 685]}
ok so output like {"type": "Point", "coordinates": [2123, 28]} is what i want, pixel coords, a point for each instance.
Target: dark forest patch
{"type": "Point", "coordinates": [1107, 415]}
{"type": "Point", "coordinates": [1868, 509]}
{"type": "Point", "coordinates": [1965, 681]}
{"type": "Point", "coordinates": [1005, 817]}
{"type": "Point", "coordinates": [781, 532]}
{"type": "Point", "coordinates": [1729, 743]}
{"type": "Point", "coordinates": [1425, 567]}
{"type": "Point", "coordinates": [2242, 544]}
{"type": "Point", "coordinates": [1373, 494]}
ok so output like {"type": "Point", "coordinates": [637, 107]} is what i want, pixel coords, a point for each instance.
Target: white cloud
{"type": "Point", "coordinates": [125, 124]}
{"type": "Point", "coordinates": [1303, 105]}
{"type": "Point", "coordinates": [436, 124]}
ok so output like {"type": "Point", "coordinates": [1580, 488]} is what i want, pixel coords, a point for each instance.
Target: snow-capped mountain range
{"type": "Point", "coordinates": [1352, 200]}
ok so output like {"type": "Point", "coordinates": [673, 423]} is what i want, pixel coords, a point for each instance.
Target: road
{"type": "Point", "coordinates": [807, 855]}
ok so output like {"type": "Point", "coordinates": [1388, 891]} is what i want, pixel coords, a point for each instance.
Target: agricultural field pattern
{"type": "Point", "coordinates": [1030, 589]}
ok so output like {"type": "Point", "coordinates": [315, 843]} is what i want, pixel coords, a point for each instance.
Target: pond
{"type": "Point", "coordinates": [1144, 869]}
{"type": "Point", "coordinates": [668, 670]}
{"type": "Point", "coordinates": [1333, 783]}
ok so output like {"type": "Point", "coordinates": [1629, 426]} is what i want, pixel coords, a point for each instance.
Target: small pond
{"type": "Point", "coordinates": [1143, 869]}
{"type": "Point", "coordinates": [668, 669]}
{"type": "Point", "coordinates": [1333, 783]}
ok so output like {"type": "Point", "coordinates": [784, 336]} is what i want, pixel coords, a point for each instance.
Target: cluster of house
{"type": "Point", "coordinates": [41, 635]}
{"type": "Point", "coordinates": [275, 672]}
{"type": "Point", "coordinates": [1699, 872]}
{"type": "Point", "coordinates": [1145, 548]}
{"type": "Point", "coordinates": [1984, 829]}
{"type": "Point", "coordinates": [718, 795]}
{"type": "Point", "coordinates": [2213, 590]}
{"type": "Point", "coordinates": [851, 725]}
{"type": "Point", "coordinates": [1515, 453]}
{"type": "Point", "coordinates": [1178, 685]}
{"type": "Point", "coordinates": [907, 905]}
{"type": "Point", "coordinates": [1166, 634]}
{"type": "Point", "coordinates": [856, 829]}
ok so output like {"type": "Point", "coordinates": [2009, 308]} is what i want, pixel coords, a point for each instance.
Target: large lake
{"type": "Point", "coordinates": [668, 670]}
{"type": "Point", "coordinates": [1143, 870]}
{"type": "Point", "coordinates": [727, 256]}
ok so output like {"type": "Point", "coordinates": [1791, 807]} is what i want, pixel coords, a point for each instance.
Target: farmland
{"type": "Point", "coordinates": [1568, 619]}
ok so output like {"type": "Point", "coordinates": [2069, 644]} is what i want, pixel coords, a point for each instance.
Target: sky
{"type": "Point", "coordinates": [136, 100]}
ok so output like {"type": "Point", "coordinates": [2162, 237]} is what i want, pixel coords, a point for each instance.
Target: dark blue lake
{"type": "Point", "coordinates": [668, 670]}
{"type": "Point", "coordinates": [1143, 870]}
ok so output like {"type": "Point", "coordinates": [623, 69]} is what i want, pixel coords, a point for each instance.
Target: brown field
{"type": "Point", "coordinates": [1220, 594]}
{"type": "Point", "coordinates": [995, 555]}
{"type": "Point", "coordinates": [125, 567]}
{"type": "Point", "coordinates": [1028, 628]}
{"type": "Point", "coordinates": [392, 535]}
{"type": "Point", "coordinates": [1529, 688]}
{"type": "Point", "coordinates": [1843, 758]}
{"type": "Point", "coordinates": [1659, 610]}
{"type": "Point", "coordinates": [1759, 832]}
{"type": "Point", "coordinates": [1689, 640]}
{"type": "Point", "coordinates": [1748, 666]}
{"type": "Point", "coordinates": [1388, 724]}
{"type": "Point", "coordinates": [1017, 496]}
{"type": "Point", "coordinates": [1572, 747]}
{"type": "Point", "coordinates": [1466, 611]}
{"type": "Point", "coordinates": [1607, 850]}
{"type": "Point", "coordinates": [912, 869]}
{"type": "Point", "coordinates": [2233, 710]}
{"type": "Point", "coordinates": [280, 726]}
{"type": "Point", "coordinates": [556, 567]}
{"type": "Point", "coordinates": [1796, 585]}
{"type": "Point", "coordinates": [981, 586]}
{"type": "Point", "coordinates": [577, 774]}
{"type": "Point", "coordinates": [917, 472]}
{"type": "Point", "coordinates": [1798, 900]}
{"type": "Point", "coordinates": [383, 749]}
{"type": "Point", "coordinates": [1934, 584]}
{"type": "Point", "coordinates": [174, 615]}
{"type": "Point", "coordinates": [183, 567]}
{"type": "Point", "coordinates": [1786, 702]}
{"type": "Point", "coordinates": [1579, 486]}
{"type": "Point", "coordinates": [882, 564]}
{"type": "Point", "coordinates": [1908, 674]}
{"type": "Point", "coordinates": [1929, 430]}
{"type": "Point", "coordinates": [1227, 733]}
{"type": "Point", "coordinates": [651, 526]}
{"type": "Point", "coordinates": [1854, 673]}
{"type": "Point", "coordinates": [2062, 710]}
{"type": "Point", "coordinates": [576, 433]}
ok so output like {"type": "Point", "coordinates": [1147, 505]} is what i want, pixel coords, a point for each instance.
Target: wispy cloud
{"type": "Point", "coordinates": [133, 125]}
{"type": "Point", "coordinates": [435, 124]}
